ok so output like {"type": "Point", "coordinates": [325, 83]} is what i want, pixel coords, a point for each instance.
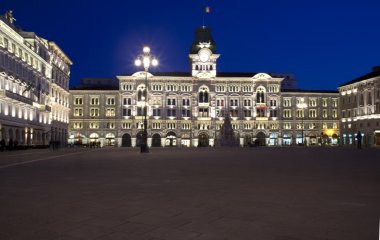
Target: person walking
{"type": "Point", "coordinates": [359, 138]}
{"type": "Point", "coordinates": [10, 144]}
{"type": "Point", "coordinates": [15, 144]}
{"type": "Point", "coordinates": [2, 145]}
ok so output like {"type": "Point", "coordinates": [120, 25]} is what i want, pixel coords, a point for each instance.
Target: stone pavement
{"type": "Point", "coordinates": [180, 194]}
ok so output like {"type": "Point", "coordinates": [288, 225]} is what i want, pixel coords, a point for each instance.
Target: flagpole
{"type": "Point", "coordinates": [203, 16]}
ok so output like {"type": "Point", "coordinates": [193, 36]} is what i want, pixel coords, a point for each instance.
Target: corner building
{"type": "Point", "coordinates": [188, 108]}
{"type": "Point", "coordinates": [360, 109]}
{"type": "Point", "coordinates": [34, 87]}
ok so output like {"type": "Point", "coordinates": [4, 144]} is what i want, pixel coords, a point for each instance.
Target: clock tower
{"type": "Point", "coordinates": [203, 54]}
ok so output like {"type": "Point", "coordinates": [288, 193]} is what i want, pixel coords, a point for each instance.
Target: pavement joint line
{"type": "Point", "coordinates": [27, 153]}
{"type": "Point", "coordinates": [41, 159]}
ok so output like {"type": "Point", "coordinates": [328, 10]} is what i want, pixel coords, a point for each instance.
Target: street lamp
{"type": "Point", "coordinates": [145, 59]}
{"type": "Point", "coordinates": [302, 105]}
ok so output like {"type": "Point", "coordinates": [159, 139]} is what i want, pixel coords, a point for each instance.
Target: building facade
{"type": "Point", "coordinates": [188, 108]}
{"type": "Point", "coordinates": [34, 93]}
{"type": "Point", "coordinates": [360, 109]}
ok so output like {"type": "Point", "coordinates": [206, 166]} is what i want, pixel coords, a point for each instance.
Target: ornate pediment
{"type": "Point", "coordinates": [262, 76]}
{"type": "Point", "coordinates": [204, 75]}
{"type": "Point", "coordinates": [141, 74]}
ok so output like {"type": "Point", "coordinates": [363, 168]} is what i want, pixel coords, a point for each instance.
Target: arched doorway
{"type": "Point", "coordinates": [272, 139]}
{"type": "Point", "coordinates": [110, 139]}
{"type": "Point", "coordinates": [260, 139]}
{"type": "Point", "coordinates": [126, 140]}
{"type": "Point", "coordinates": [156, 140]}
{"type": "Point", "coordinates": [94, 140]}
{"type": "Point", "coordinates": [334, 139]}
{"type": "Point", "coordinates": [247, 140]}
{"type": "Point", "coordinates": [171, 139]}
{"type": "Point", "coordinates": [138, 139]}
{"type": "Point", "coordinates": [203, 140]}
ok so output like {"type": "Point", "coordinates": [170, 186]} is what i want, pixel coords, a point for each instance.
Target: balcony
{"type": "Point", "coordinates": [14, 96]}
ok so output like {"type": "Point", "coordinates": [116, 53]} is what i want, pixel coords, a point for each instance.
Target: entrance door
{"type": "Point", "coordinates": [260, 138]}
{"type": "Point", "coordinates": [377, 139]}
{"type": "Point", "coordinates": [171, 139]}
{"type": "Point", "coordinates": [156, 140]}
{"type": "Point", "coordinates": [126, 140]}
{"type": "Point", "coordinates": [138, 139]}
{"type": "Point", "coordinates": [203, 140]}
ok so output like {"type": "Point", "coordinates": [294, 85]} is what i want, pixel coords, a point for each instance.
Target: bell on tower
{"type": "Point", "coordinates": [203, 54]}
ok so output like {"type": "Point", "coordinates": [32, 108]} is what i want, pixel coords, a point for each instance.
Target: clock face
{"type": "Point", "coordinates": [204, 55]}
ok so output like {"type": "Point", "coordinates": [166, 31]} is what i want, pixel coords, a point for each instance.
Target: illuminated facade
{"type": "Point", "coordinates": [360, 109]}
{"type": "Point", "coordinates": [187, 109]}
{"type": "Point", "coordinates": [34, 93]}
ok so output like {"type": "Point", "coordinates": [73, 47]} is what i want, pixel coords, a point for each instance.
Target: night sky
{"type": "Point", "coordinates": [323, 44]}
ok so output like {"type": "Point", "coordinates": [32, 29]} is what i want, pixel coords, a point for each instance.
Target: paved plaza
{"type": "Point", "coordinates": [179, 194]}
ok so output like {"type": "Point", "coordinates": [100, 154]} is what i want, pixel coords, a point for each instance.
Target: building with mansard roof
{"type": "Point", "coordinates": [188, 108]}
{"type": "Point", "coordinates": [360, 109]}
{"type": "Point", "coordinates": [34, 87]}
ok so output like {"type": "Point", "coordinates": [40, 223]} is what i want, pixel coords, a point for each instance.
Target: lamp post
{"type": "Point", "coordinates": [302, 105]}
{"type": "Point", "coordinates": [145, 59]}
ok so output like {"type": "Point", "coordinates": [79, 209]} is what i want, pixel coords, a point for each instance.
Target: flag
{"type": "Point", "coordinates": [207, 9]}
{"type": "Point", "coordinates": [28, 88]}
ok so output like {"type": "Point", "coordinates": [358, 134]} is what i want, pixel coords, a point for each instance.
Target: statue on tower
{"type": "Point", "coordinates": [9, 16]}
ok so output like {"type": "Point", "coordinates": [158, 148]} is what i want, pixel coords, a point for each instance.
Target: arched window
{"type": "Point", "coordinates": [203, 95]}
{"type": "Point", "coordinates": [260, 95]}
{"type": "Point", "coordinates": [141, 93]}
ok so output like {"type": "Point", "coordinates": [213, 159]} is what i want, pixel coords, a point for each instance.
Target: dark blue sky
{"type": "Point", "coordinates": [323, 44]}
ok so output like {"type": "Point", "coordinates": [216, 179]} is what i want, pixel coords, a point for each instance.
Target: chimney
{"type": "Point", "coordinates": [376, 69]}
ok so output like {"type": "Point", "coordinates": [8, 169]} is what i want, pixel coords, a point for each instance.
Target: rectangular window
{"type": "Point", "coordinates": [287, 113]}
{"type": "Point", "coordinates": [94, 112]}
{"type": "Point", "coordinates": [127, 101]}
{"type": "Point", "coordinates": [247, 102]}
{"type": "Point", "coordinates": [324, 102]}
{"type": "Point", "coordinates": [186, 102]}
{"type": "Point", "coordinates": [127, 112]}
{"type": "Point", "coordinates": [287, 102]}
{"type": "Point", "coordinates": [273, 113]}
{"type": "Point", "coordinates": [110, 101]}
{"type": "Point", "coordinates": [171, 112]}
{"type": "Point", "coordinates": [94, 125]}
{"type": "Point", "coordinates": [300, 113]}
{"type": "Point", "coordinates": [234, 113]}
{"type": "Point", "coordinates": [78, 101]}
{"type": "Point", "coordinates": [234, 102]}
{"type": "Point", "coordinates": [185, 113]}
{"type": "Point", "coordinates": [324, 113]}
{"type": "Point", "coordinates": [203, 112]}
{"type": "Point", "coordinates": [171, 101]}
{"type": "Point", "coordinates": [171, 88]}
{"type": "Point", "coordinates": [157, 112]}
{"type": "Point", "coordinates": [110, 112]}
{"type": "Point", "coordinates": [141, 111]}
{"type": "Point", "coordinates": [78, 112]}
{"type": "Point", "coordinates": [94, 101]}
{"type": "Point", "coordinates": [312, 113]}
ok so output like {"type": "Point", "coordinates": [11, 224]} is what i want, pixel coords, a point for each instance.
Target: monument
{"type": "Point", "coordinates": [227, 138]}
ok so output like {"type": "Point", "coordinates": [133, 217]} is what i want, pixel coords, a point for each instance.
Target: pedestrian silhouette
{"type": "Point", "coordinates": [10, 144]}
{"type": "Point", "coordinates": [2, 145]}
{"type": "Point", "coordinates": [359, 138]}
